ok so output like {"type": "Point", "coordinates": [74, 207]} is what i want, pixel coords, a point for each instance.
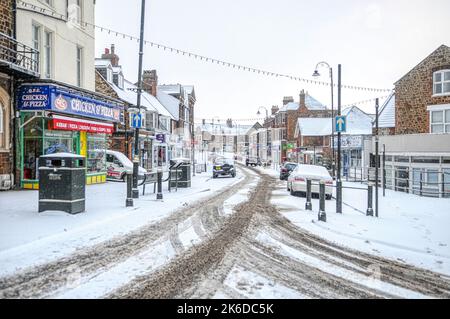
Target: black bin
{"type": "Point", "coordinates": [183, 166]}
{"type": "Point", "coordinates": [62, 183]}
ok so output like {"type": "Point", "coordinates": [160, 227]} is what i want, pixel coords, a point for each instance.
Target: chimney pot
{"type": "Point", "coordinates": [106, 51]}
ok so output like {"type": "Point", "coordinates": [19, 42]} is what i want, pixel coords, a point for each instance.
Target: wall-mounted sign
{"type": "Point", "coordinates": [54, 98]}
{"type": "Point", "coordinates": [160, 138]}
{"type": "Point", "coordinates": [62, 123]}
{"type": "Point", "coordinates": [349, 141]}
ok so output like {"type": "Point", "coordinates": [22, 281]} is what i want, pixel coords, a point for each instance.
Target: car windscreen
{"type": "Point", "coordinates": [291, 166]}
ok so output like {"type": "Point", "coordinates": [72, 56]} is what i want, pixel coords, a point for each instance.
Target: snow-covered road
{"type": "Point", "coordinates": [233, 244]}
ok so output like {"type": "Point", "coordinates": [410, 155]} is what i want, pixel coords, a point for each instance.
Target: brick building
{"type": "Point", "coordinates": [284, 124]}
{"type": "Point", "coordinates": [418, 147]}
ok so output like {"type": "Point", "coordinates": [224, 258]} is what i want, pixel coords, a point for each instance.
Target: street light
{"type": "Point", "coordinates": [267, 112]}
{"type": "Point", "coordinates": [138, 104]}
{"type": "Point", "coordinates": [317, 74]}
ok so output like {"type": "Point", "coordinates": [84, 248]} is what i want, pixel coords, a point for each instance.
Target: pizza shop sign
{"type": "Point", "coordinates": [53, 98]}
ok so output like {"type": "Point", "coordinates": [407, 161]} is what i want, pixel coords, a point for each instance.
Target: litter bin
{"type": "Point", "coordinates": [62, 183]}
{"type": "Point", "coordinates": [183, 165]}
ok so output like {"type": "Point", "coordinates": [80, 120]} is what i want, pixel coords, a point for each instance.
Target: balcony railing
{"type": "Point", "coordinates": [17, 58]}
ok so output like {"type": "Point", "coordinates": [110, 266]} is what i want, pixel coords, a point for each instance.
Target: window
{"type": "Point", "coordinates": [109, 75]}
{"type": "Point", "coordinates": [36, 40]}
{"type": "Point", "coordinates": [79, 66]}
{"type": "Point", "coordinates": [440, 121]}
{"type": "Point", "coordinates": [79, 4]}
{"type": "Point", "coordinates": [441, 82]}
{"type": "Point", "coordinates": [48, 47]}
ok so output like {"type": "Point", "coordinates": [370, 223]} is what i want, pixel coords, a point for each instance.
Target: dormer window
{"type": "Point", "coordinates": [441, 82]}
{"type": "Point", "coordinates": [120, 84]}
{"type": "Point", "coordinates": [109, 75]}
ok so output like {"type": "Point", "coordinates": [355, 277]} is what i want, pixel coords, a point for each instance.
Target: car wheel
{"type": "Point", "coordinates": [287, 187]}
{"type": "Point", "coordinates": [214, 176]}
{"type": "Point", "coordinates": [291, 191]}
{"type": "Point", "coordinates": [328, 196]}
{"type": "Point", "coordinates": [124, 178]}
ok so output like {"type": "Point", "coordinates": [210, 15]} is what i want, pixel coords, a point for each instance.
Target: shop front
{"type": "Point", "coordinates": [55, 119]}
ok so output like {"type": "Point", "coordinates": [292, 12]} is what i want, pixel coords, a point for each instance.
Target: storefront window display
{"type": "Point", "coordinates": [96, 153]}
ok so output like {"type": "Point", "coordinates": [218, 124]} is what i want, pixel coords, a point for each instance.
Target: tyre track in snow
{"type": "Point", "coordinates": [202, 270]}
{"type": "Point", "coordinates": [47, 279]}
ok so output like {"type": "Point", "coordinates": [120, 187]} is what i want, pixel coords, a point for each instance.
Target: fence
{"type": "Point", "coordinates": [418, 181]}
{"type": "Point", "coordinates": [18, 55]}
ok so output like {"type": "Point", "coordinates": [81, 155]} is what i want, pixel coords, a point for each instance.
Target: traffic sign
{"type": "Point", "coordinates": [341, 124]}
{"type": "Point", "coordinates": [136, 121]}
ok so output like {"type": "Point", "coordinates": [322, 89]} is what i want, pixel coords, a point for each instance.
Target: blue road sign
{"type": "Point", "coordinates": [341, 124]}
{"type": "Point", "coordinates": [136, 120]}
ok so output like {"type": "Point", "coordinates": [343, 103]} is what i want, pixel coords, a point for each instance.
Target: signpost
{"type": "Point", "coordinates": [136, 120]}
{"type": "Point", "coordinates": [341, 124]}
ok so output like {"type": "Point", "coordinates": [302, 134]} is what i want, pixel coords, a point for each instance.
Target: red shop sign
{"type": "Point", "coordinates": [63, 123]}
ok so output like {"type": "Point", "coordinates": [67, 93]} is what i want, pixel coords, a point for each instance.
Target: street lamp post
{"type": "Point", "coordinates": [139, 92]}
{"type": "Point", "coordinates": [316, 74]}
{"type": "Point", "coordinates": [339, 182]}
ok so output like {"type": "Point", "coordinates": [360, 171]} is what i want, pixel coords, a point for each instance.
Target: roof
{"type": "Point", "coordinates": [310, 102]}
{"type": "Point", "coordinates": [386, 117]}
{"type": "Point", "coordinates": [171, 103]}
{"type": "Point", "coordinates": [117, 69]}
{"type": "Point", "coordinates": [442, 47]}
{"type": "Point", "coordinates": [314, 126]}
{"type": "Point", "coordinates": [221, 129]}
{"type": "Point", "coordinates": [358, 121]}
{"type": "Point", "coordinates": [99, 63]}
{"type": "Point", "coordinates": [170, 88]}
{"type": "Point", "coordinates": [129, 95]}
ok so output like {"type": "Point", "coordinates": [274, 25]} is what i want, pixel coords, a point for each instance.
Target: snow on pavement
{"type": "Point", "coordinates": [410, 229]}
{"type": "Point", "coordinates": [28, 238]}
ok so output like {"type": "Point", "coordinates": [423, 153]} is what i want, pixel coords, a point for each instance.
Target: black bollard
{"type": "Point", "coordinates": [322, 214]}
{"type": "Point", "coordinates": [129, 201]}
{"type": "Point", "coordinates": [339, 197]}
{"type": "Point", "coordinates": [370, 200]}
{"type": "Point", "coordinates": [159, 196]}
{"type": "Point", "coordinates": [308, 205]}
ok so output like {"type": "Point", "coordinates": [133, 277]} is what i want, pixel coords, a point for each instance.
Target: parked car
{"type": "Point", "coordinates": [286, 169]}
{"type": "Point", "coordinates": [117, 165]}
{"type": "Point", "coordinates": [297, 180]}
{"type": "Point", "coordinates": [252, 161]}
{"type": "Point", "coordinates": [224, 167]}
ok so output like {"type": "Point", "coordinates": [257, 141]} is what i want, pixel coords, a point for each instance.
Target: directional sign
{"type": "Point", "coordinates": [341, 124]}
{"type": "Point", "coordinates": [136, 121]}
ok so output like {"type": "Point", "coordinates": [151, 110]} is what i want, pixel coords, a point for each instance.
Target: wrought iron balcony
{"type": "Point", "coordinates": [17, 58]}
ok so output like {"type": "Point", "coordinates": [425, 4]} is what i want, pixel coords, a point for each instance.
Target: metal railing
{"type": "Point", "coordinates": [18, 56]}
{"type": "Point", "coordinates": [403, 180]}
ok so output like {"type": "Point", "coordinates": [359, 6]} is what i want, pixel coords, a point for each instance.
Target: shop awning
{"type": "Point", "coordinates": [64, 123]}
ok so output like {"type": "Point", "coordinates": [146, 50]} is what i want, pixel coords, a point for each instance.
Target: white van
{"type": "Point", "coordinates": [117, 165]}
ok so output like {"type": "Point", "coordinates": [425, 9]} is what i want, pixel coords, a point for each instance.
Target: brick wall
{"type": "Point", "coordinates": [6, 17]}
{"type": "Point", "coordinates": [414, 92]}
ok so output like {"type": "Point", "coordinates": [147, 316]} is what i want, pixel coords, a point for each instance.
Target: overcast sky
{"type": "Point", "coordinates": [376, 42]}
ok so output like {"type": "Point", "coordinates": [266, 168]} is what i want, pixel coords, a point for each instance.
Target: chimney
{"type": "Point", "coordinates": [150, 82]}
{"type": "Point", "coordinates": [111, 55]}
{"type": "Point", "coordinates": [287, 99]}
{"type": "Point", "coordinates": [302, 103]}
{"type": "Point", "coordinates": [230, 123]}
{"type": "Point", "coordinates": [274, 109]}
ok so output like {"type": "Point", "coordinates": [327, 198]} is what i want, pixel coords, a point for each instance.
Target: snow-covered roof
{"type": "Point", "coordinates": [189, 89]}
{"type": "Point", "coordinates": [170, 88]}
{"type": "Point", "coordinates": [171, 103]}
{"type": "Point", "coordinates": [102, 63]}
{"type": "Point", "coordinates": [129, 95]}
{"type": "Point", "coordinates": [117, 69]}
{"type": "Point", "coordinates": [358, 122]}
{"type": "Point", "coordinates": [387, 113]}
{"type": "Point", "coordinates": [314, 126]}
{"type": "Point", "coordinates": [310, 102]}
{"type": "Point", "coordinates": [221, 129]}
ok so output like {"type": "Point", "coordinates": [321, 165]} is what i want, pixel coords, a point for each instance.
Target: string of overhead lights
{"type": "Point", "coordinates": [218, 120]}
{"type": "Point", "coordinates": [197, 56]}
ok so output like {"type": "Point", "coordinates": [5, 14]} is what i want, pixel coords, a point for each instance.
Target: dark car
{"type": "Point", "coordinates": [286, 170]}
{"type": "Point", "coordinates": [224, 167]}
